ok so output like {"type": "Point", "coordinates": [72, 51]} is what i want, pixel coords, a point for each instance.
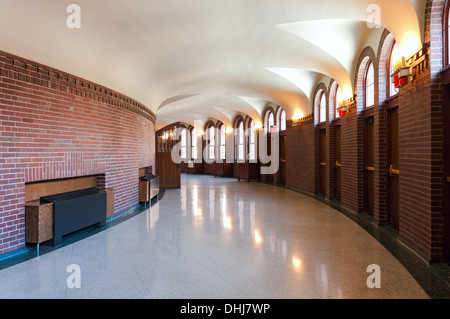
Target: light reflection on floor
{"type": "Point", "coordinates": [220, 238]}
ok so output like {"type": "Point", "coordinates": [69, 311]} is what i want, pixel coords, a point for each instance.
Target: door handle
{"type": "Point", "coordinates": [393, 171]}
{"type": "Point", "coordinates": [338, 164]}
{"type": "Point", "coordinates": [369, 168]}
{"type": "Point", "coordinates": [323, 164]}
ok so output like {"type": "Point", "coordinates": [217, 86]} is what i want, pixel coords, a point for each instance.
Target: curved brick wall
{"type": "Point", "coordinates": [53, 126]}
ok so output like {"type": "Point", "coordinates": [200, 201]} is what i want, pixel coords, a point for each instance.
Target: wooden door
{"type": "Point", "coordinates": [167, 170]}
{"type": "Point", "coordinates": [338, 162]}
{"type": "Point", "coordinates": [322, 162]}
{"type": "Point", "coordinates": [446, 177]}
{"type": "Point", "coordinates": [394, 169]}
{"type": "Point", "coordinates": [369, 167]}
{"type": "Point", "coordinates": [282, 161]}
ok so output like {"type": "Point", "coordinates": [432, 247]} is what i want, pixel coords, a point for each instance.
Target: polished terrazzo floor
{"type": "Point", "coordinates": [220, 239]}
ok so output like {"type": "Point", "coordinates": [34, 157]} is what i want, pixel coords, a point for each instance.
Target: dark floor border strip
{"type": "Point", "coordinates": [434, 278]}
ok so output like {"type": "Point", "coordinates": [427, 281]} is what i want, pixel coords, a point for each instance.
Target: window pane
{"type": "Point", "coordinates": [241, 133]}
{"type": "Point", "coordinates": [370, 86]}
{"type": "Point", "coordinates": [394, 58]}
{"type": "Point", "coordinates": [183, 138]}
{"type": "Point", "coordinates": [194, 137]}
{"type": "Point", "coordinates": [222, 136]}
{"type": "Point", "coordinates": [283, 121]}
{"type": "Point", "coordinates": [212, 137]}
{"type": "Point", "coordinates": [323, 109]}
{"type": "Point", "coordinates": [222, 142]}
{"type": "Point", "coordinates": [271, 121]}
{"type": "Point", "coordinates": [241, 152]}
{"type": "Point", "coordinates": [252, 153]}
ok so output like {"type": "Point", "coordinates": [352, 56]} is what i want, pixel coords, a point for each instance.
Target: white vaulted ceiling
{"type": "Point", "coordinates": [200, 59]}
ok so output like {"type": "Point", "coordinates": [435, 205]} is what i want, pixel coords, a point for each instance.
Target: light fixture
{"type": "Point", "coordinates": [402, 74]}
{"type": "Point", "coordinates": [406, 69]}
{"type": "Point", "coordinates": [258, 126]}
{"type": "Point", "coordinates": [229, 131]}
{"type": "Point", "coordinates": [298, 117]}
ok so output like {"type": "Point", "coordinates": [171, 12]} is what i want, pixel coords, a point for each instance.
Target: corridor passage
{"type": "Point", "coordinates": [220, 239]}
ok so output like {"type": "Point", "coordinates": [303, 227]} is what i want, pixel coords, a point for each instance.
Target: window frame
{"type": "Point", "coordinates": [211, 142]}
{"type": "Point", "coordinates": [446, 34]}
{"type": "Point", "coordinates": [222, 142]}
{"type": "Point", "coordinates": [183, 151]}
{"type": "Point", "coordinates": [369, 66]}
{"type": "Point", "coordinates": [240, 141]}
{"type": "Point", "coordinates": [267, 127]}
{"type": "Point", "coordinates": [323, 98]}
{"type": "Point", "coordinates": [194, 149]}
{"type": "Point", "coordinates": [391, 87]}
{"type": "Point", "coordinates": [281, 123]}
{"type": "Point", "coordinates": [252, 156]}
{"type": "Point", "coordinates": [337, 101]}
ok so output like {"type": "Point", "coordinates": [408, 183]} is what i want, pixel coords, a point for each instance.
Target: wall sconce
{"type": "Point", "coordinates": [344, 105]}
{"type": "Point", "coordinates": [407, 69]}
{"type": "Point", "coordinates": [297, 119]}
{"type": "Point", "coordinates": [402, 75]}
{"type": "Point", "coordinates": [200, 133]}
{"type": "Point", "coordinates": [229, 131]}
{"type": "Point", "coordinates": [258, 126]}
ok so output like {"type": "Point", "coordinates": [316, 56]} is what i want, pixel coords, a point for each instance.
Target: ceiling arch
{"type": "Point", "coordinates": [209, 58]}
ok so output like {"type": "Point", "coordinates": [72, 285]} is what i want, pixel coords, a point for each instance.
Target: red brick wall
{"type": "Point", "coordinates": [421, 149]}
{"type": "Point", "coordinates": [300, 156]}
{"type": "Point", "coordinates": [54, 126]}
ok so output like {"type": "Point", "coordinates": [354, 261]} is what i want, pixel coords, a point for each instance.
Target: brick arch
{"type": "Point", "coordinates": [367, 55]}
{"type": "Point", "coordinates": [264, 114]}
{"type": "Point", "coordinates": [384, 53]}
{"type": "Point", "coordinates": [209, 124]}
{"type": "Point", "coordinates": [321, 87]}
{"type": "Point", "coordinates": [277, 115]}
{"type": "Point", "coordinates": [332, 99]}
{"type": "Point", "coordinates": [237, 119]}
{"type": "Point", "coordinates": [219, 124]}
{"type": "Point", "coordinates": [434, 23]}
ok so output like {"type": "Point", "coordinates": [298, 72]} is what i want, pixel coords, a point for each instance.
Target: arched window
{"type": "Point", "coordinates": [323, 108]}
{"type": "Point", "coordinates": [251, 141]}
{"type": "Point", "coordinates": [369, 86]}
{"type": "Point", "coordinates": [337, 100]}
{"type": "Point", "coordinates": [183, 143]}
{"type": "Point", "coordinates": [281, 120]}
{"type": "Point", "coordinates": [394, 57]}
{"type": "Point", "coordinates": [270, 122]}
{"type": "Point", "coordinates": [211, 136]}
{"type": "Point", "coordinates": [194, 143]}
{"type": "Point", "coordinates": [240, 139]}
{"type": "Point", "coordinates": [223, 139]}
{"type": "Point", "coordinates": [447, 34]}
